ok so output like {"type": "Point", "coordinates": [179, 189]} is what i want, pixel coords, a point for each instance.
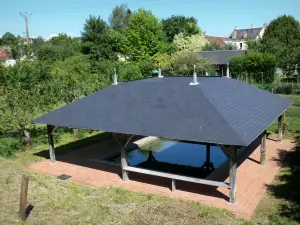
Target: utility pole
{"type": "Point", "coordinates": [25, 16]}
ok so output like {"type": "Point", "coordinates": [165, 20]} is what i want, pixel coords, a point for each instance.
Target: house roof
{"type": "Point", "coordinates": [3, 55]}
{"type": "Point", "coordinates": [217, 40]}
{"type": "Point", "coordinates": [218, 110]}
{"type": "Point", "coordinates": [250, 33]}
{"type": "Point", "coordinates": [220, 57]}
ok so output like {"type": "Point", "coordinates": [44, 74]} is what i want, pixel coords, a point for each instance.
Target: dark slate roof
{"type": "Point", "coordinates": [218, 110]}
{"type": "Point", "coordinates": [220, 57]}
{"type": "Point", "coordinates": [250, 33]}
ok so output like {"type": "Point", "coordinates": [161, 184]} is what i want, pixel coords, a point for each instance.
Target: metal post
{"type": "Point", "coordinates": [232, 173]}
{"type": "Point", "coordinates": [124, 164]}
{"type": "Point", "coordinates": [50, 130]}
{"type": "Point", "coordinates": [263, 148]}
{"type": "Point", "coordinates": [280, 127]}
{"type": "Point", "coordinates": [173, 188]}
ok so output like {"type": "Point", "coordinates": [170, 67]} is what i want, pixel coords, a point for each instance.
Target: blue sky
{"type": "Point", "coordinates": [215, 17]}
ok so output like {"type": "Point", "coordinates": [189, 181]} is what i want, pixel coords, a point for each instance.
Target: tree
{"type": "Point", "coordinates": [119, 18]}
{"type": "Point", "coordinates": [175, 25]}
{"type": "Point", "coordinates": [182, 64]}
{"type": "Point", "coordinates": [212, 46]}
{"type": "Point", "coordinates": [25, 93]}
{"type": "Point", "coordinates": [8, 39]}
{"type": "Point", "coordinates": [97, 39]}
{"type": "Point", "coordinates": [281, 38]}
{"type": "Point", "coordinates": [73, 78]}
{"type": "Point", "coordinates": [194, 42]}
{"type": "Point", "coordinates": [143, 35]}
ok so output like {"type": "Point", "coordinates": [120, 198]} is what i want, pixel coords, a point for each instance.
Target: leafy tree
{"type": "Point", "coordinates": [182, 64]}
{"type": "Point", "coordinates": [97, 39]}
{"type": "Point", "coordinates": [25, 93]}
{"type": "Point", "coordinates": [194, 42]}
{"type": "Point", "coordinates": [143, 35]}
{"type": "Point", "coordinates": [38, 41]}
{"type": "Point", "coordinates": [281, 38]}
{"type": "Point", "coordinates": [73, 78]}
{"type": "Point", "coordinates": [212, 46]}
{"type": "Point", "coordinates": [175, 25]}
{"type": "Point", "coordinates": [57, 48]}
{"type": "Point", "coordinates": [8, 39]}
{"type": "Point", "coordinates": [119, 18]}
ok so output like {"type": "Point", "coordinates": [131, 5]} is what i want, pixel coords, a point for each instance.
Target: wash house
{"type": "Point", "coordinates": [211, 111]}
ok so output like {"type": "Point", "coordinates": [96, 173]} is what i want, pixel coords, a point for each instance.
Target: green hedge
{"type": "Point", "coordinates": [255, 67]}
{"type": "Point", "coordinates": [282, 89]}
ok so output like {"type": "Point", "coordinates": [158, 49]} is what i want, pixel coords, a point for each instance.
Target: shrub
{"type": "Point", "coordinates": [182, 63]}
{"type": "Point", "coordinates": [282, 89]}
{"type": "Point", "coordinates": [257, 67]}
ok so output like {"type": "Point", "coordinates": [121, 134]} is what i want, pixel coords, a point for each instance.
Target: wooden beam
{"type": "Point", "coordinates": [224, 149]}
{"type": "Point", "coordinates": [124, 164]}
{"type": "Point", "coordinates": [173, 188]}
{"type": "Point", "coordinates": [178, 177]}
{"type": "Point", "coordinates": [50, 131]}
{"type": "Point", "coordinates": [232, 173]}
{"type": "Point", "coordinates": [280, 127]}
{"type": "Point", "coordinates": [263, 148]}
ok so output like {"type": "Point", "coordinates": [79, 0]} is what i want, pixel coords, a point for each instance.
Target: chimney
{"type": "Point", "coordinates": [233, 35]}
{"type": "Point", "coordinates": [252, 26]}
{"type": "Point", "coordinates": [195, 82]}
{"type": "Point", "coordinates": [159, 71]}
{"type": "Point", "coordinates": [115, 77]}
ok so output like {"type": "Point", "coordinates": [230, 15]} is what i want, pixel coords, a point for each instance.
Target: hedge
{"type": "Point", "coordinates": [282, 89]}
{"type": "Point", "coordinates": [257, 67]}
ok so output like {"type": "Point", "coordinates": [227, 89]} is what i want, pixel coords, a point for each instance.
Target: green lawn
{"type": "Point", "coordinates": [60, 202]}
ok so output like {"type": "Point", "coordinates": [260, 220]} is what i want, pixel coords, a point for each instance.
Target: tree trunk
{"type": "Point", "coordinates": [27, 137]}
{"type": "Point", "coordinates": [298, 77]}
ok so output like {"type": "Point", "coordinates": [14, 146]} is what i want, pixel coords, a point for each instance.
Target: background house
{"type": "Point", "coordinates": [238, 37]}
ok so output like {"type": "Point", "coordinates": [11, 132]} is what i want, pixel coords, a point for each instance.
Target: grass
{"type": "Point", "coordinates": [60, 202]}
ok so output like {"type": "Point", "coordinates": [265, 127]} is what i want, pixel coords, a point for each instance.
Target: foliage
{"type": "Point", "coordinates": [97, 39]}
{"type": "Point", "coordinates": [143, 36]}
{"type": "Point", "coordinates": [286, 89]}
{"type": "Point", "coordinates": [212, 46]}
{"type": "Point", "coordinates": [194, 42]}
{"type": "Point", "coordinates": [175, 25]}
{"type": "Point", "coordinates": [57, 48]}
{"type": "Point", "coordinates": [25, 93]}
{"type": "Point", "coordinates": [281, 38]}
{"type": "Point", "coordinates": [73, 78]}
{"type": "Point", "coordinates": [182, 63]}
{"type": "Point", "coordinates": [257, 67]}
{"type": "Point", "coordinates": [21, 51]}
{"type": "Point", "coordinates": [8, 39]}
{"type": "Point", "coordinates": [119, 17]}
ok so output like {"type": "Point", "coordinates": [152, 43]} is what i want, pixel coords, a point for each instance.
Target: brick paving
{"type": "Point", "coordinates": [252, 178]}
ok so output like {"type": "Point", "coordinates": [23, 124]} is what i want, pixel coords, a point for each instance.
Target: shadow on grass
{"type": "Point", "coordinates": [287, 187]}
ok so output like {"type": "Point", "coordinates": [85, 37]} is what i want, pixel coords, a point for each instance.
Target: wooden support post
{"type": "Point", "coordinates": [23, 197]}
{"type": "Point", "coordinates": [50, 130]}
{"type": "Point", "coordinates": [263, 148]}
{"type": "Point", "coordinates": [232, 173]}
{"type": "Point", "coordinates": [124, 164]}
{"type": "Point", "coordinates": [173, 188]}
{"type": "Point", "coordinates": [208, 153]}
{"type": "Point", "coordinates": [280, 127]}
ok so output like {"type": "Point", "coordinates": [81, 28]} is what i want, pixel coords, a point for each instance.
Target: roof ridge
{"type": "Point", "coordinates": [241, 139]}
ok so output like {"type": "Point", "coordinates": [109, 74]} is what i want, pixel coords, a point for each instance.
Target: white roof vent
{"type": "Point", "coordinates": [159, 71]}
{"type": "Point", "coordinates": [195, 82]}
{"type": "Point", "coordinates": [115, 77]}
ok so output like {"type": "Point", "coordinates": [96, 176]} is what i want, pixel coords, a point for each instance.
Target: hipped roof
{"type": "Point", "coordinates": [218, 110]}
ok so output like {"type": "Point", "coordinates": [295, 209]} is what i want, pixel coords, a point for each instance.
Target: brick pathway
{"type": "Point", "coordinates": [252, 178]}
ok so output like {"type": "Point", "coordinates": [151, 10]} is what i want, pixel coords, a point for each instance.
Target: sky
{"type": "Point", "coordinates": [215, 17]}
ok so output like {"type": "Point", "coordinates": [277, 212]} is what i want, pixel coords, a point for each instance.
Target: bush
{"type": "Point", "coordinates": [257, 67]}
{"type": "Point", "coordinates": [282, 89]}
{"type": "Point", "coordinates": [182, 63]}
{"type": "Point", "coordinates": [8, 146]}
